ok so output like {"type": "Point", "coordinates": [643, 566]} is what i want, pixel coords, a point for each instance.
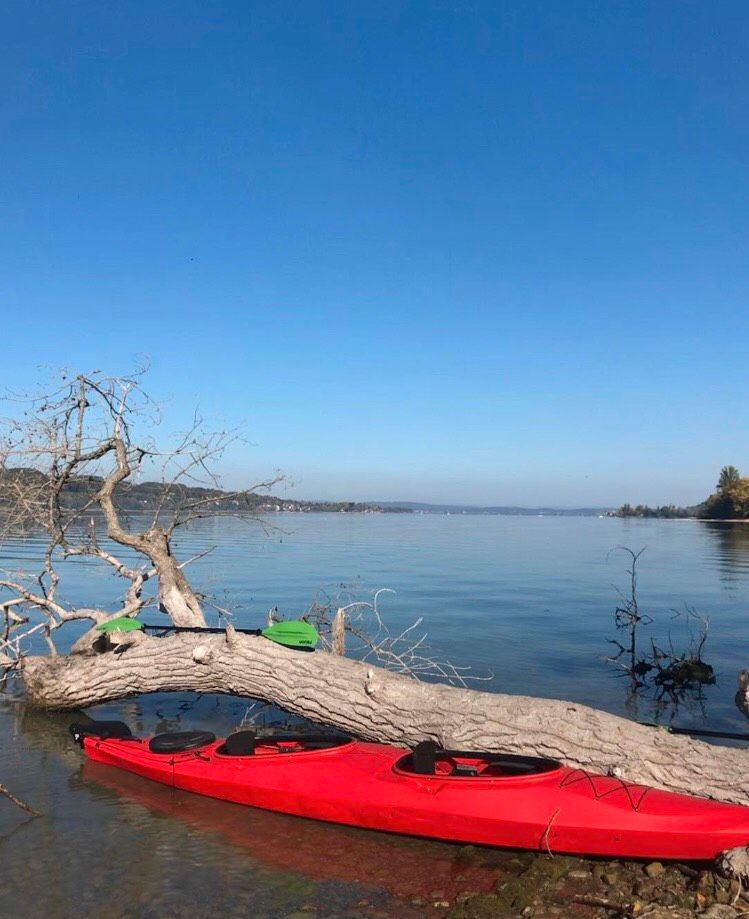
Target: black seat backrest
{"type": "Point", "coordinates": [242, 743]}
{"type": "Point", "coordinates": [424, 757]}
{"type": "Point", "coordinates": [178, 741]}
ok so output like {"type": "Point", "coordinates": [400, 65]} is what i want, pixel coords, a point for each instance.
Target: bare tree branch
{"type": "Point", "coordinates": [66, 458]}
{"type": "Point", "coordinates": [337, 614]}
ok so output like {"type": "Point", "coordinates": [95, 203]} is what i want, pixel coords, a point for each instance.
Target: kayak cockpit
{"type": "Point", "coordinates": [241, 743]}
{"type": "Point", "coordinates": [428, 759]}
{"type": "Point", "coordinates": [249, 743]}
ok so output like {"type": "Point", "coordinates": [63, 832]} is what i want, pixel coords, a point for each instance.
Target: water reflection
{"type": "Point", "coordinates": [322, 852]}
{"type": "Point", "coordinates": [689, 708]}
{"type": "Point", "coordinates": [730, 545]}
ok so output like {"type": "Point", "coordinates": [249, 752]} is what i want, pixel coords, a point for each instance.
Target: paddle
{"type": "Point", "coordinates": [121, 624]}
{"type": "Point", "coordinates": [292, 634]}
{"type": "Point", "coordinates": [697, 732]}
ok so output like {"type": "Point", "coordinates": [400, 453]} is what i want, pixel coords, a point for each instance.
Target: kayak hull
{"type": "Point", "coordinates": [367, 785]}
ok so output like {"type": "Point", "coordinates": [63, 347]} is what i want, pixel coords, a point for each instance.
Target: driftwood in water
{"type": "Point", "coordinates": [377, 704]}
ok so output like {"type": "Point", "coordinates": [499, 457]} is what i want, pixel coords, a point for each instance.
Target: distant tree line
{"type": "Point", "coordinates": [729, 501]}
{"type": "Point", "coordinates": [143, 497]}
{"type": "Point", "coordinates": [644, 510]}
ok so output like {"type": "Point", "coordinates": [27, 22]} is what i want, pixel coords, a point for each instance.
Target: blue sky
{"type": "Point", "coordinates": [473, 252]}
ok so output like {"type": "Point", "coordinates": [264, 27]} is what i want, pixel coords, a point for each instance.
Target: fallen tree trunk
{"type": "Point", "coordinates": [377, 704]}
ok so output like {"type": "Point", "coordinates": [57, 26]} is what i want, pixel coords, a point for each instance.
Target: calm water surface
{"type": "Point", "coordinates": [527, 601]}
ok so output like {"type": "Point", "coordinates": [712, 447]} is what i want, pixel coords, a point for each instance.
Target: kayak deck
{"type": "Point", "coordinates": [485, 799]}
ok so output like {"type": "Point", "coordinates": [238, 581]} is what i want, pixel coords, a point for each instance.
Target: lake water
{"type": "Point", "coordinates": [525, 601]}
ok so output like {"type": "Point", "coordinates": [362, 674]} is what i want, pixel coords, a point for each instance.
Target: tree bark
{"type": "Point", "coordinates": [380, 705]}
{"type": "Point", "coordinates": [176, 596]}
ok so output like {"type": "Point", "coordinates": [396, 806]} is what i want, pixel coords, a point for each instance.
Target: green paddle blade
{"type": "Point", "coordinates": [292, 634]}
{"type": "Point", "coordinates": [121, 624]}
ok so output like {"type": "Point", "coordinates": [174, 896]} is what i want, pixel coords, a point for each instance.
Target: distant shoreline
{"type": "Point", "coordinates": [679, 519]}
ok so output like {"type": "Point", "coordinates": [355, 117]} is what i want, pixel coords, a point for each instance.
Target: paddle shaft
{"type": "Point", "coordinates": [698, 732]}
{"type": "Point", "coordinates": [197, 628]}
{"type": "Point", "coordinates": [297, 635]}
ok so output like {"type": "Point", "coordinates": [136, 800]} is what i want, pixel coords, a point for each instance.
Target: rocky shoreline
{"type": "Point", "coordinates": [532, 886]}
{"type": "Point", "coordinates": [556, 886]}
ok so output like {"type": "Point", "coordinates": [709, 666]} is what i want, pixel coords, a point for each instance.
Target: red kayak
{"type": "Point", "coordinates": [480, 798]}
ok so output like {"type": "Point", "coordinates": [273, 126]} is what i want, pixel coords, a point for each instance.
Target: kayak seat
{"type": "Point", "coordinates": [514, 764]}
{"type": "Point", "coordinates": [465, 769]}
{"type": "Point", "coordinates": [247, 743]}
{"type": "Point", "coordinates": [323, 743]}
{"type": "Point", "coordinates": [496, 765]}
{"type": "Point", "coordinates": [241, 743]}
{"type": "Point", "coordinates": [104, 730]}
{"type": "Point", "coordinates": [178, 741]}
{"type": "Point", "coordinates": [428, 758]}
{"type": "Point", "coordinates": [307, 741]}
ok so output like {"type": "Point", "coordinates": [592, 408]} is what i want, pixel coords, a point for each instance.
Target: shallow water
{"type": "Point", "coordinates": [112, 844]}
{"type": "Point", "coordinates": [527, 600]}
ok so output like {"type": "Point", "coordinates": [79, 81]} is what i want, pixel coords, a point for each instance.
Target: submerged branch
{"type": "Point", "coordinates": [18, 802]}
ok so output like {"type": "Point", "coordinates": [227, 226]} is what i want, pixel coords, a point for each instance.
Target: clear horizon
{"type": "Point", "coordinates": [491, 255]}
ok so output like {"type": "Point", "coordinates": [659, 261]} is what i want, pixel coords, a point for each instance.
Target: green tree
{"type": "Point", "coordinates": [731, 500]}
{"type": "Point", "coordinates": [729, 478]}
